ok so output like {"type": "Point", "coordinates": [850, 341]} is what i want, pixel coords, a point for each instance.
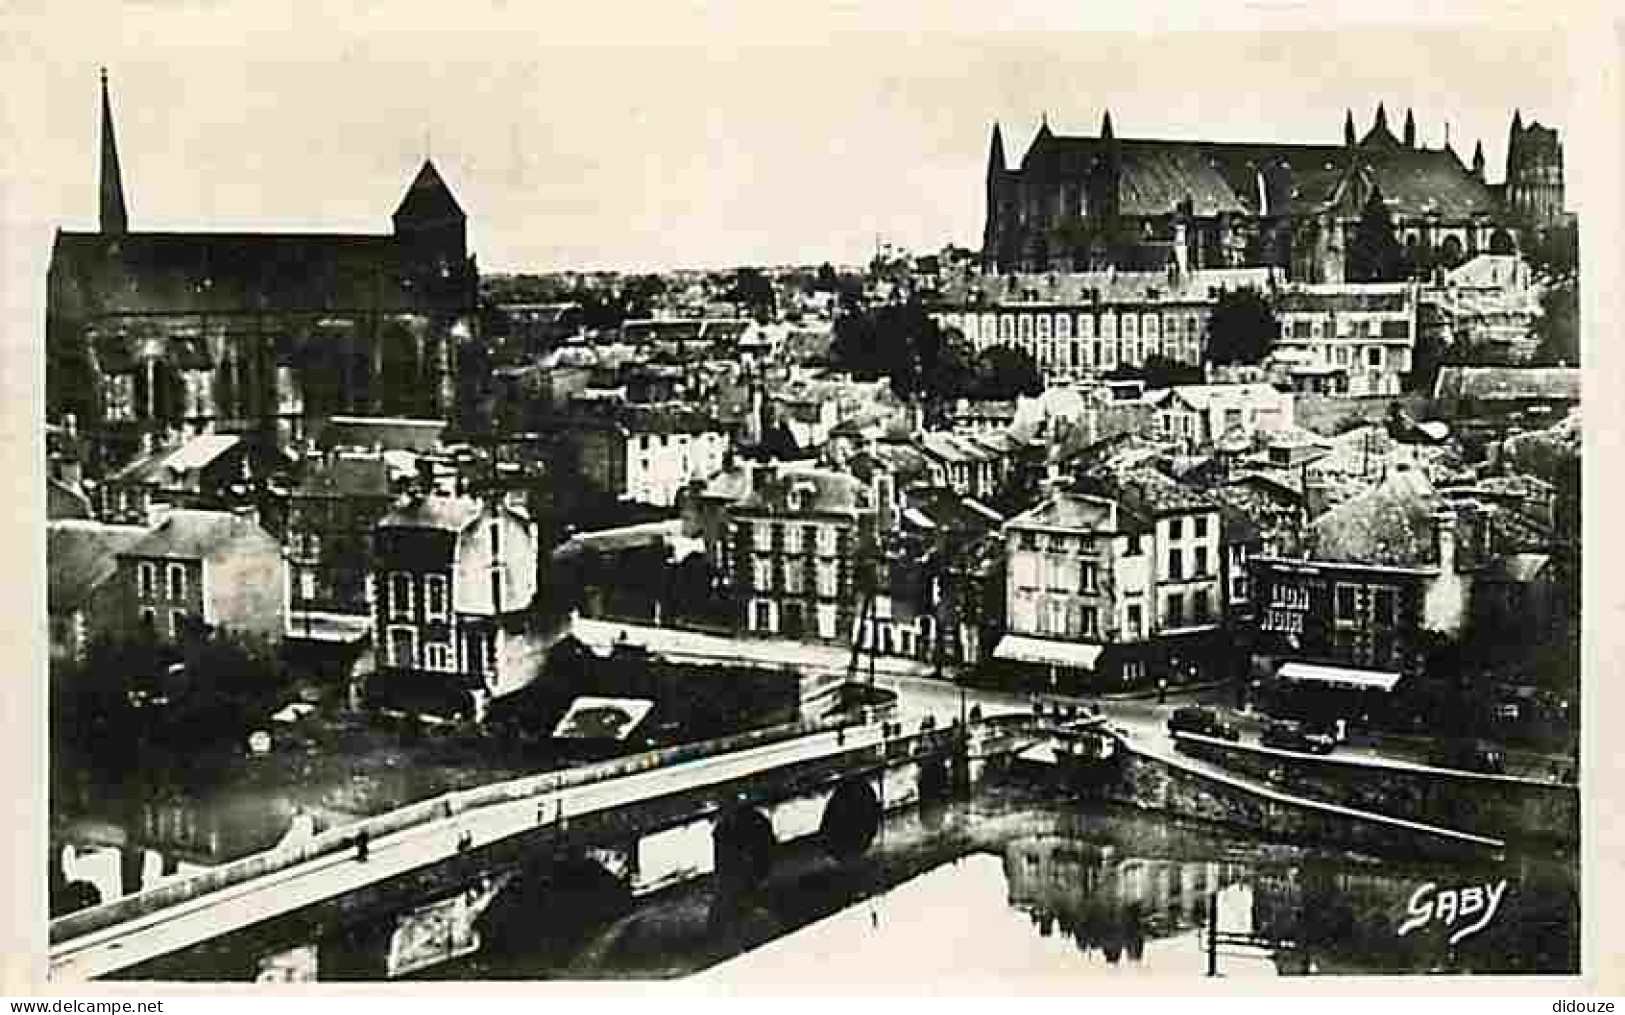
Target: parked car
{"type": "Point", "coordinates": [1201, 720]}
{"type": "Point", "coordinates": [1469, 755]}
{"type": "Point", "coordinates": [1285, 735]}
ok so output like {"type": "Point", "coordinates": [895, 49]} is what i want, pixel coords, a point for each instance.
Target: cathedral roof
{"type": "Point", "coordinates": [1215, 176]}
{"type": "Point", "coordinates": [207, 272]}
{"type": "Point", "coordinates": [1254, 179]}
{"type": "Point", "coordinates": [1424, 181]}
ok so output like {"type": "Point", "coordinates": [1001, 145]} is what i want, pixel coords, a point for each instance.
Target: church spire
{"type": "Point", "coordinates": [1478, 161]}
{"type": "Point", "coordinates": [1106, 127]}
{"type": "Point", "coordinates": [1348, 128]}
{"type": "Point", "coordinates": [1410, 130]}
{"type": "Point", "coordinates": [114, 218]}
{"type": "Point", "coordinates": [995, 152]}
{"type": "Point", "coordinates": [1380, 125]}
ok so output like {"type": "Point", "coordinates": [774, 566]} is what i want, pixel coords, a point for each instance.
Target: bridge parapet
{"type": "Point", "coordinates": [903, 746]}
{"type": "Point", "coordinates": [339, 839]}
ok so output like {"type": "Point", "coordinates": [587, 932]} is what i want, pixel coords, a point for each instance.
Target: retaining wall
{"type": "Point", "coordinates": [1494, 805]}
{"type": "Point", "coordinates": [1154, 783]}
{"type": "Point", "coordinates": [1322, 413]}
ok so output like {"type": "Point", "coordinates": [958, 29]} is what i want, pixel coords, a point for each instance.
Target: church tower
{"type": "Point", "coordinates": [115, 220]}
{"type": "Point", "coordinates": [1534, 174]}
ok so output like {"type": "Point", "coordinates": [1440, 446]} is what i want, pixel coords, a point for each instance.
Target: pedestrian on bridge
{"type": "Point", "coordinates": [361, 846]}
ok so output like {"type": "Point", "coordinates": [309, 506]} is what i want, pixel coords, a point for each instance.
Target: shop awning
{"type": "Point", "coordinates": [1337, 676]}
{"type": "Point", "coordinates": [1049, 653]}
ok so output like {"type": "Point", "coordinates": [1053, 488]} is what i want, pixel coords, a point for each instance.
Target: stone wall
{"type": "Point", "coordinates": [1160, 784]}
{"type": "Point", "coordinates": [1491, 805]}
{"type": "Point", "coordinates": [1323, 413]}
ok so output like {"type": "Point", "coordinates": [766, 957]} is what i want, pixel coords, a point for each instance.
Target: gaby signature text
{"type": "Point", "coordinates": [1473, 907]}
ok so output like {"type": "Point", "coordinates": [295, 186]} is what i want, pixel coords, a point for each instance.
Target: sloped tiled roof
{"type": "Point", "coordinates": [1150, 493]}
{"type": "Point", "coordinates": [389, 432]}
{"type": "Point", "coordinates": [79, 556]}
{"type": "Point", "coordinates": [448, 514]}
{"type": "Point", "coordinates": [346, 476]}
{"type": "Point", "coordinates": [196, 535]}
{"type": "Point", "coordinates": [1519, 567]}
{"type": "Point", "coordinates": [1391, 523]}
{"type": "Point", "coordinates": [196, 453]}
{"type": "Point", "coordinates": [1064, 510]}
{"type": "Point", "coordinates": [832, 492]}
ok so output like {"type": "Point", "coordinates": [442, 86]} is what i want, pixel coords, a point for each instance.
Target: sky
{"type": "Point", "coordinates": [680, 134]}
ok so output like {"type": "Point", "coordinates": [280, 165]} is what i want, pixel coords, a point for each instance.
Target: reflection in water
{"type": "Point", "coordinates": [1070, 893]}
{"type": "Point", "coordinates": [1107, 902]}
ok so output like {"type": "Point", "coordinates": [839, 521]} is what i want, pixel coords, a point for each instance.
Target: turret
{"type": "Point", "coordinates": [1348, 128]}
{"type": "Point", "coordinates": [115, 220]}
{"type": "Point", "coordinates": [1478, 161]}
{"type": "Point", "coordinates": [1410, 130]}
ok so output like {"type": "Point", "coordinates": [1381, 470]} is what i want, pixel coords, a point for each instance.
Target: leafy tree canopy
{"type": "Point", "coordinates": [1242, 328]}
{"type": "Point", "coordinates": [1004, 372]}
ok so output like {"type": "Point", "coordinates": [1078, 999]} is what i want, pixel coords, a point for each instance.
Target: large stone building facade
{"type": "Point", "coordinates": [1086, 203]}
{"type": "Point", "coordinates": [255, 333]}
{"type": "Point", "coordinates": [1079, 324]}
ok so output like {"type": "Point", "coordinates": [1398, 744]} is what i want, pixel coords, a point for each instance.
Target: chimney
{"type": "Point", "coordinates": [70, 472]}
{"type": "Point", "coordinates": [1444, 532]}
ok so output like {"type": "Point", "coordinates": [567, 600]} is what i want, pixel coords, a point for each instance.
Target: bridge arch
{"type": "Point", "coordinates": [551, 902]}
{"type": "Point", "coordinates": [851, 819]}
{"type": "Point", "coordinates": [744, 843]}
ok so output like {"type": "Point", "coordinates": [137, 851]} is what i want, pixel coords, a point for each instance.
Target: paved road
{"type": "Point", "coordinates": [208, 916]}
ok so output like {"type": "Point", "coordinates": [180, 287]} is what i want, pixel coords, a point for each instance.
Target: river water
{"type": "Point", "coordinates": [1019, 886]}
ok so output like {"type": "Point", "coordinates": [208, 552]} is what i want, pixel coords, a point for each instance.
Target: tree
{"type": "Point", "coordinates": [1559, 326]}
{"type": "Point", "coordinates": [1161, 372]}
{"type": "Point", "coordinates": [1004, 372]}
{"type": "Point", "coordinates": [1374, 252]}
{"type": "Point", "coordinates": [1242, 328]}
{"type": "Point", "coordinates": [903, 343]}
{"type": "Point", "coordinates": [753, 291]}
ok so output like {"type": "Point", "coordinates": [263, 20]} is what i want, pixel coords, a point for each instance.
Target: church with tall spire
{"type": "Point", "coordinates": [155, 336]}
{"type": "Point", "coordinates": [1080, 203]}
